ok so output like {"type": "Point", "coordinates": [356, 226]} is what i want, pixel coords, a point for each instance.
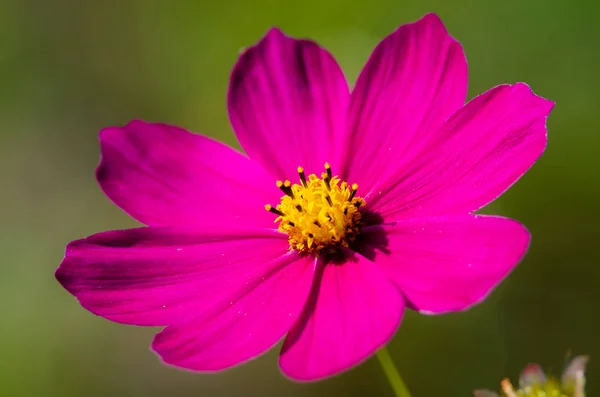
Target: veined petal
{"type": "Point", "coordinates": [415, 79]}
{"type": "Point", "coordinates": [166, 176]}
{"type": "Point", "coordinates": [353, 310]}
{"type": "Point", "coordinates": [287, 103]}
{"type": "Point", "coordinates": [449, 263]}
{"type": "Point", "coordinates": [247, 327]}
{"type": "Point", "coordinates": [479, 153]}
{"type": "Point", "coordinates": [162, 276]}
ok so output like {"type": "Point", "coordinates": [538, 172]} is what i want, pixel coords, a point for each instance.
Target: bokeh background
{"type": "Point", "coordinates": [69, 68]}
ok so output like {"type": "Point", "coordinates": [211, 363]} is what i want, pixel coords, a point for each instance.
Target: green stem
{"type": "Point", "coordinates": [396, 382]}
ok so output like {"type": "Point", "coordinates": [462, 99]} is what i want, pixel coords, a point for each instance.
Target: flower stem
{"type": "Point", "coordinates": [396, 382]}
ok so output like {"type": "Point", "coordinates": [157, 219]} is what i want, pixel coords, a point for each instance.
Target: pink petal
{"type": "Point", "coordinates": [573, 375]}
{"type": "Point", "coordinates": [415, 79]}
{"type": "Point", "coordinates": [160, 276]}
{"type": "Point", "coordinates": [163, 175]}
{"type": "Point", "coordinates": [532, 375]}
{"type": "Point", "coordinates": [479, 153]}
{"type": "Point", "coordinates": [247, 327]}
{"type": "Point", "coordinates": [449, 263]}
{"type": "Point", "coordinates": [353, 310]}
{"type": "Point", "coordinates": [287, 103]}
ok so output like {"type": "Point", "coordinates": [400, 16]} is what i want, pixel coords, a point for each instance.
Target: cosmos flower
{"type": "Point", "coordinates": [533, 382]}
{"type": "Point", "coordinates": [347, 209]}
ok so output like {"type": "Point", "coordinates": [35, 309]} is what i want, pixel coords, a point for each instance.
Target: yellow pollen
{"type": "Point", "coordinates": [319, 213]}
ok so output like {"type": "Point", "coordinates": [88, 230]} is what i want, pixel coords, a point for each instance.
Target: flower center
{"type": "Point", "coordinates": [319, 213]}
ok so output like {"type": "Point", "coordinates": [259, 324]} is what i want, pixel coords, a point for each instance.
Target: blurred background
{"type": "Point", "coordinates": [69, 68]}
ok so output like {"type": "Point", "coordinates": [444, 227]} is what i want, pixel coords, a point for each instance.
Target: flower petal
{"type": "Point", "coordinates": [449, 263]}
{"type": "Point", "coordinates": [287, 103]}
{"type": "Point", "coordinates": [165, 176]}
{"type": "Point", "coordinates": [161, 276]}
{"type": "Point", "coordinates": [532, 375]}
{"type": "Point", "coordinates": [246, 327]}
{"type": "Point", "coordinates": [479, 153]}
{"type": "Point", "coordinates": [353, 310]}
{"type": "Point", "coordinates": [415, 79]}
{"type": "Point", "coordinates": [573, 377]}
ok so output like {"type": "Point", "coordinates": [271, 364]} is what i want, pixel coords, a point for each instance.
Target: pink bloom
{"type": "Point", "coordinates": [329, 268]}
{"type": "Point", "coordinates": [534, 382]}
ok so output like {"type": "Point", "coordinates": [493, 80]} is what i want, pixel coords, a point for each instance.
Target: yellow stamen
{"type": "Point", "coordinates": [302, 176]}
{"type": "Point", "coordinates": [285, 187]}
{"type": "Point", "coordinates": [275, 211]}
{"type": "Point", "coordinates": [354, 190]}
{"type": "Point", "coordinates": [319, 213]}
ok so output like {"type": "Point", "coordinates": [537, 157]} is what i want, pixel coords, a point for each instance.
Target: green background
{"type": "Point", "coordinates": [69, 68]}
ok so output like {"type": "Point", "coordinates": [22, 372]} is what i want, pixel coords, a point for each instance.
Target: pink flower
{"type": "Point", "coordinates": [533, 382]}
{"type": "Point", "coordinates": [329, 266]}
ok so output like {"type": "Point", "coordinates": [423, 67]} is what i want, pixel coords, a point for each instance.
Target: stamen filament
{"type": "Point", "coordinates": [302, 177]}
{"type": "Point", "coordinates": [327, 176]}
{"type": "Point", "coordinates": [286, 188]}
{"type": "Point", "coordinates": [273, 210]}
{"type": "Point", "coordinates": [353, 192]}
